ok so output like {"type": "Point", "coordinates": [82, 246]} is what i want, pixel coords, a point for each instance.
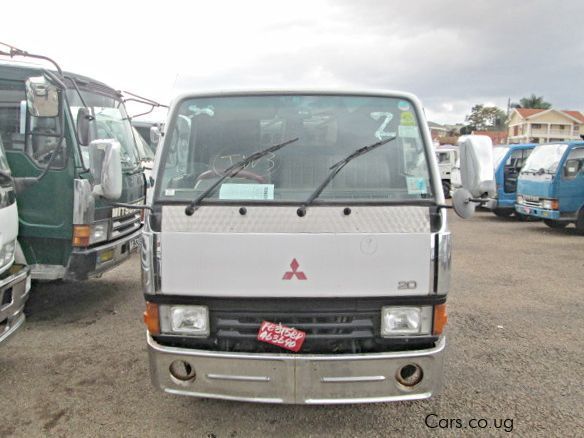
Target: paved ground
{"type": "Point", "coordinates": [515, 353]}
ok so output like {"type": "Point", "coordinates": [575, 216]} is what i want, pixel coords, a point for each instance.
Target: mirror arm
{"type": "Point", "coordinates": [18, 52]}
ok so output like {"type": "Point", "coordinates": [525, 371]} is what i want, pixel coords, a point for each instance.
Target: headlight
{"type": "Point", "coordinates": [403, 321]}
{"type": "Point", "coordinates": [519, 199]}
{"type": "Point", "coordinates": [550, 204]}
{"type": "Point", "coordinates": [7, 253]}
{"type": "Point", "coordinates": [99, 231]}
{"type": "Point", "coordinates": [85, 235]}
{"type": "Point", "coordinates": [187, 320]}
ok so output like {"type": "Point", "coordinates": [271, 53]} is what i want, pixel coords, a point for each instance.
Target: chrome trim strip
{"type": "Point", "coordinates": [352, 379]}
{"type": "Point", "coordinates": [239, 378]}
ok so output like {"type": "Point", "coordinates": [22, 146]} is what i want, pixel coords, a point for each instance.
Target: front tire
{"type": "Point", "coordinates": [555, 224]}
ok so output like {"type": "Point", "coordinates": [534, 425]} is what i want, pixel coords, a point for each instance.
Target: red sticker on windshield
{"type": "Point", "coordinates": [277, 334]}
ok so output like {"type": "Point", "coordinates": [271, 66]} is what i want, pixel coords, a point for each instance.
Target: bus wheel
{"type": "Point", "coordinates": [555, 224]}
{"type": "Point", "coordinates": [446, 187]}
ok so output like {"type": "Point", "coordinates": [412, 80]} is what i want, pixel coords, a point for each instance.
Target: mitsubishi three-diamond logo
{"type": "Point", "coordinates": [289, 275]}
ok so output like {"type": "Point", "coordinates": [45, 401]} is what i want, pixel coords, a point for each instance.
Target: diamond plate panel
{"type": "Point", "coordinates": [265, 219]}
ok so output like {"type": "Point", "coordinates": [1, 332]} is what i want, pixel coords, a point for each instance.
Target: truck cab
{"type": "Point", "coordinates": [508, 161]}
{"type": "Point", "coordinates": [14, 274]}
{"type": "Point", "coordinates": [71, 225]}
{"type": "Point", "coordinates": [551, 185]}
{"type": "Point", "coordinates": [297, 250]}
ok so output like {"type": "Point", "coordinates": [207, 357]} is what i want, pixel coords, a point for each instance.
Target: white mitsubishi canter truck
{"type": "Point", "coordinates": [297, 250]}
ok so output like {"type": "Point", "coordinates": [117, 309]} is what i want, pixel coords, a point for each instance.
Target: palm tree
{"type": "Point", "coordinates": [532, 101]}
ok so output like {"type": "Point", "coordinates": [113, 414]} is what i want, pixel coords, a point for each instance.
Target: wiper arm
{"type": "Point", "coordinates": [233, 170]}
{"type": "Point", "coordinates": [336, 168]}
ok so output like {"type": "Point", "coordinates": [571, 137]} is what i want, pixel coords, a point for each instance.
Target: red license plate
{"type": "Point", "coordinates": [288, 338]}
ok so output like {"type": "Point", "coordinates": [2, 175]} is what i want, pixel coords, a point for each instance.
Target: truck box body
{"type": "Point", "coordinates": [373, 243]}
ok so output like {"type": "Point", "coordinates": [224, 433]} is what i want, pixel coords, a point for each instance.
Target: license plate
{"type": "Point", "coordinates": [288, 338]}
{"type": "Point", "coordinates": [134, 243]}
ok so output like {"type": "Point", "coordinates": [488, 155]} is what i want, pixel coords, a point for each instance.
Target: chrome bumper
{"type": "Point", "coordinates": [14, 290]}
{"type": "Point", "coordinates": [86, 263]}
{"type": "Point", "coordinates": [292, 378]}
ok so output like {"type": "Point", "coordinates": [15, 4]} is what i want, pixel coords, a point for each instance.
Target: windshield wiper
{"type": "Point", "coordinates": [336, 168]}
{"type": "Point", "coordinates": [233, 170]}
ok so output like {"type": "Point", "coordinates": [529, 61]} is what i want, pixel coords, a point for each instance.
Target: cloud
{"type": "Point", "coordinates": [451, 53]}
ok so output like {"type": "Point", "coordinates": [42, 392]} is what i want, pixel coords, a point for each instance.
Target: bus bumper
{"type": "Point", "coordinates": [14, 289]}
{"type": "Point", "coordinates": [296, 378]}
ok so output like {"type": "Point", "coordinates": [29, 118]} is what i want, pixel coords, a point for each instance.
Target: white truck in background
{"type": "Point", "coordinates": [297, 249]}
{"type": "Point", "coordinates": [14, 274]}
{"type": "Point", "coordinates": [447, 157]}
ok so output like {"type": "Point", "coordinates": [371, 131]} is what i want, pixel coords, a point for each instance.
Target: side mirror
{"type": "Point", "coordinates": [106, 168]}
{"type": "Point", "coordinates": [84, 126]}
{"type": "Point", "coordinates": [476, 174]}
{"type": "Point", "coordinates": [154, 134]}
{"type": "Point", "coordinates": [571, 168]}
{"type": "Point", "coordinates": [476, 165]}
{"type": "Point", "coordinates": [43, 98]}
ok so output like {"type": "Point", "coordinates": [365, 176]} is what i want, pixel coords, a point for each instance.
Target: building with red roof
{"type": "Point", "coordinates": [529, 125]}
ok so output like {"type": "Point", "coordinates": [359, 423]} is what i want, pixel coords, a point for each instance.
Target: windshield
{"type": "Point", "coordinates": [544, 159]}
{"type": "Point", "coordinates": [499, 153]}
{"type": "Point", "coordinates": [210, 134]}
{"type": "Point", "coordinates": [144, 150]}
{"type": "Point", "coordinates": [111, 122]}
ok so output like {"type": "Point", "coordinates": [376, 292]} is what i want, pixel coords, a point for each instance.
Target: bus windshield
{"type": "Point", "coordinates": [206, 135]}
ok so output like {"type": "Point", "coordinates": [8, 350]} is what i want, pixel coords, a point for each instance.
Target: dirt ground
{"type": "Point", "coordinates": [514, 356]}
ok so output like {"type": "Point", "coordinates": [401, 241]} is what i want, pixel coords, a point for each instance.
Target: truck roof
{"type": "Point", "coordinates": [16, 70]}
{"type": "Point", "coordinates": [295, 91]}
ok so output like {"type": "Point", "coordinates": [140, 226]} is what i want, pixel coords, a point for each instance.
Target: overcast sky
{"type": "Point", "coordinates": [451, 53]}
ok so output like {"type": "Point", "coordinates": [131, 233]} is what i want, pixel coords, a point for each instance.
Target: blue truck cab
{"type": "Point", "coordinates": [551, 185]}
{"type": "Point", "coordinates": [508, 162]}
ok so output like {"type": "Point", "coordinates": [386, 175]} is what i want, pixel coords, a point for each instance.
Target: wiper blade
{"type": "Point", "coordinates": [336, 168]}
{"type": "Point", "coordinates": [232, 171]}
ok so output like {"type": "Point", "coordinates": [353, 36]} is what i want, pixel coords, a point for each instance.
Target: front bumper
{"type": "Point", "coordinates": [14, 289]}
{"type": "Point", "coordinates": [295, 378]}
{"type": "Point", "coordinates": [538, 212]}
{"type": "Point", "coordinates": [91, 262]}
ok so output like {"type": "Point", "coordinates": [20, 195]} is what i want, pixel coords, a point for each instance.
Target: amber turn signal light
{"type": "Point", "coordinates": [440, 319]}
{"type": "Point", "coordinates": [81, 235]}
{"type": "Point", "coordinates": [151, 318]}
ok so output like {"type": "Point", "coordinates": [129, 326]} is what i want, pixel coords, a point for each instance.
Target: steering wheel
{"type": "Point", "coordinates": [246, 174]}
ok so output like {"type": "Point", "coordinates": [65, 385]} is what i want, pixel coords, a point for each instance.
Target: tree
{"type": "Point", "coordinates": [485, 118]}
{"type": "Point", "coordinates": [532, 101]}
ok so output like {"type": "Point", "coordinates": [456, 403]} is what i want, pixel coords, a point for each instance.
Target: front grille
{"type": "Point", "coordinates": [122, 225]}
{"type": "Point", "coordinates": [331, 326]}
{"type": "Point", "coordinates": [536, 204]}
